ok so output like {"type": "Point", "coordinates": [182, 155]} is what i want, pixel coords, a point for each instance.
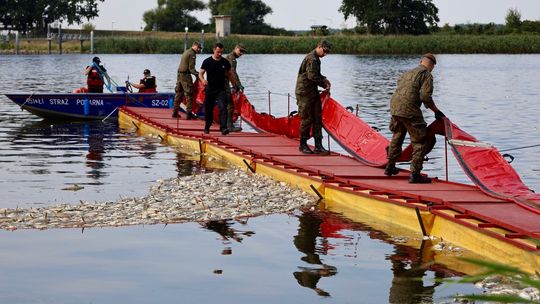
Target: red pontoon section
{"type": "Point", "coordinates": [353, 134]}
{"type": "Point", "coordinates": [487, 168]}
{"type": "Point", "coordinates": [262, 122]}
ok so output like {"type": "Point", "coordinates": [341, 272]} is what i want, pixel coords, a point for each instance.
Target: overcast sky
{"type": "Point", "coordinates": [301, 14]}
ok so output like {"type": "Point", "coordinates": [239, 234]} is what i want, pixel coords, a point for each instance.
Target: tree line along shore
{"type": "Point", "coordinates": [342, 44]}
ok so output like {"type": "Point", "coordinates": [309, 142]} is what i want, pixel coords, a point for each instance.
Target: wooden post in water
{"type": "Point", "coordinates": [202, 40]}
{"type": "Point", "coordinates": [49, 39]}
{"type": "Point", "coordinates": [60, 39]}
{"type": "Point", "coordinates": [185, 39]}
{"type": "Point", "coordinates": [92, 42]}
{"type": "Point", "coordinates": [17, 47]}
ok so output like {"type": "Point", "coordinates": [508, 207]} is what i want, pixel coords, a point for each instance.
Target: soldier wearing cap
{"type": "Point", "coordinates": [238, 51]}
{"type": "Point", "coordinates": [147, 84]}
{"type": "Point", "coordinates": [184, 83]}
{"type": "Point", "coordinates": [308, 99]}
{"type": "Point", "coordinates": [414, 88]}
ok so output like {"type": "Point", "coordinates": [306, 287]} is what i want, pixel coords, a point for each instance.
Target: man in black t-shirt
{"type": "Point", "coordinates": [218, 69]}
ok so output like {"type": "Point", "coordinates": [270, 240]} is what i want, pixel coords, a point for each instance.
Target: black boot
{"type": "Point", "coordinates": [391, 169]}
{"type": "Point", "coordinates": [319, 149]}
{"type": "Point", "coordinates": [175, 113]}
{"type": "Point", "coordinates": [417, 178]}
{"type": "Point", "coordinates": [304, 148]}
{"type": "Point", "coordinates": [190, 115]}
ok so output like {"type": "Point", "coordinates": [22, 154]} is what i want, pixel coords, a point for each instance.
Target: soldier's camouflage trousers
{"type": "Point", "coordinates": [184, 86]}
{"type": "Point", "coordinates": [421, 143]}
{"type": "Point", "coordinates": [310, 112]}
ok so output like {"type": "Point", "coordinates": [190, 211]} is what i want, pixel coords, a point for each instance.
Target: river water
{"type": "Point", "coordinates": [280, 258]}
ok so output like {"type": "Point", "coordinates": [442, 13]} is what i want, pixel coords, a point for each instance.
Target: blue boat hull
{"type": "Point", "coordinates": [87, 105]}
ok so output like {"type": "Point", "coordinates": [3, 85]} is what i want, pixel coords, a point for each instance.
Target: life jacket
{"type": "Point", "coordinates": [149, 85]}
{"type": "Point", "coordinates": [94, 80]}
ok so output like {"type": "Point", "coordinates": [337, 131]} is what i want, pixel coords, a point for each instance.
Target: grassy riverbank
{"type": "Point", "coordinates": [440, 43]}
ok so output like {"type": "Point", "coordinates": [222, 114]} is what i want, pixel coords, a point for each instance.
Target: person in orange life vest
{"type": "Point", "coordinates": [147, 84]}
{"type": "Point", "coordinates": [95, 78]}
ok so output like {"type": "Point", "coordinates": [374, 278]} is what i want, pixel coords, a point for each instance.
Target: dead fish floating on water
{"type": "Point", "coordinates": [73, 187]}
{"type": "Point", "coordinates": [172, 200]}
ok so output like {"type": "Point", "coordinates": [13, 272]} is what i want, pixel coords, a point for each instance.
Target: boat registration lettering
{"type": "Point", "coordinates": [59, 101]}
{"type": "Point", "coordinates": [92, 102]}
{"type": "Point", "coordinates": [160, 102]}
{"type": "Point", "coordinates": [35, 101]}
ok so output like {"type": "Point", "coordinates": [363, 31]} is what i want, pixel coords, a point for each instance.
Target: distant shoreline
{"type": "Point", "coordinates": [342, 44]}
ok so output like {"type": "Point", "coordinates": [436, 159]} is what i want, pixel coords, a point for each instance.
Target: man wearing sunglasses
{"type": "Point", "coordinates": [308, 99]}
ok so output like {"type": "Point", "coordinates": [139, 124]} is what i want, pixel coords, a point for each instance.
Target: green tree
{"type": "Point", "coordinates": [392, 16]}
{"type": "Point", "coordinates": [513, 19]}
{"type": "Point", "coordinates": [88, 27]}
{"type": "Point", "coordinates": [173, 16]}
{"type": "Point", "coordinates": [29, 15]}
{"type": "Point", "coordinates": [247, 16]}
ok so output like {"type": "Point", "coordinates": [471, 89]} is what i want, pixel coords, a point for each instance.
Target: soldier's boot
{"type": "Point", "coordinates": [190, 115]}
{"type": "Point", "coordinates": [319, 149]}
{"type": "Point", "coordinates": [189, 110]}
{"type": "Point", "coordinates": [391, 169]}
{"type": "Point", "coordinates": [230, 125]}
{"type": "Point", "coordinates": [176, 104]}
{"type": "Point", "coordinates": [304, 148]}
{"type": "Point", "coordinates": [417, 178]}
{"type": "Point", "coordinates": [176, 108]}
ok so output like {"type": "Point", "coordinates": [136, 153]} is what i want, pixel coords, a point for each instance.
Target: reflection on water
{"type": "Point", "coordinates": [47, 156]}
{"type": "Point", "coordinates": [306, 242]}
{"type": "Point", "coordinates": [322, 233]}
{"type": "Point", "coordinates": [409, 269]}
{"type": "Point", "coordinates": [225, 229]}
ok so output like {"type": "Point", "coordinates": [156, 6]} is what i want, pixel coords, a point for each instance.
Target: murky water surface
{"type": "Point", "coordinates": [306, 257]}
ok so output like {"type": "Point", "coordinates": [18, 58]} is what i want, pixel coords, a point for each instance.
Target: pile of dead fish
{"type": "Point", "coordinates": [230, 194]}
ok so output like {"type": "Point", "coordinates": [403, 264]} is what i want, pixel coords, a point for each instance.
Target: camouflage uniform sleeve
{"type": "Point", "coordinates": [192, 69]}
{"type": "Point", "coordinates": [313, 71]}
{"type": "Point", "coordinates": [426, 90]}
{"type": "Point", "coordinates": [233, 63]}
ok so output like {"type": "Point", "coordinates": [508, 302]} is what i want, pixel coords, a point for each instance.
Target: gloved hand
{"type": "Point", "coordinates": [439, 115]}
{"type": "Point", "coordinates": [239, 87]}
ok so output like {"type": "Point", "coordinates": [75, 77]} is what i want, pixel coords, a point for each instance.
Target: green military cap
{"type": "Point", "coordinates": [241, 47]}
{"type": "Point", "coordinates": [430, 57]}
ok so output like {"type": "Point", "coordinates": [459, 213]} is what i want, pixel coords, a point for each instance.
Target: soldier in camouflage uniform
{"type": "Point", "coordinates": [238, 51]}
{"type": "Point", "coordinates": [184, 83]}
{"type": "Point", "coordinates": [414, 88]}
{"type": "Point", "coordinates": [308, 99]}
